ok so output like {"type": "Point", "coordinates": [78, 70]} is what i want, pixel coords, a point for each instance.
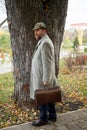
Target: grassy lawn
{"type": "Point", "coordinates": [74, 85]}
{"type": "Point", "coordinates": [74, 82]}
{"type": "Point", "coordinates": [6, 87]}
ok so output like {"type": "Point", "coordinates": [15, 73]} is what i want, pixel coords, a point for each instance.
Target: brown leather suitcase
{"type": "Point", "coordinates": [48, 95]}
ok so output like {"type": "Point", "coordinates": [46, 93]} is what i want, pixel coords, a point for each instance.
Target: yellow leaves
{"type": "Point", "coordinates": [8, 123]}
{"type": "Point", "coordinates": [75, 90]}
{"type": "Point", "coordinates": [74, 84]}
{"type": "Point", "coordinates": [15, 112]}
{"type": "Point", "coordinates": [35, 113]}
{"type": "Point", "coordinates": [31, 118]}
{"type": "Point", "coordinates": [76, 96]}
{"type": "Point", "coordinates": [73, 95]}
{"type": "Point", "coordinates": [60, 104]}
{"type": "Point", "coordinates": [11, 114]}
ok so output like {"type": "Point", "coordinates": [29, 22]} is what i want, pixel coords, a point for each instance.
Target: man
{"type": "Point", "coordinates": [43, 72]}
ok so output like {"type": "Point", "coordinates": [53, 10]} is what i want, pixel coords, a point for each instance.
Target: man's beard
{"type": "Point", "coordinates": [38, 38]}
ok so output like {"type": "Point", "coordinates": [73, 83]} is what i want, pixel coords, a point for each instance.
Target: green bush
{"type": "Point", "coordinates": [5, 42]}
{"type": "Point", "coordinates": [77, 60]}
{"type": "Point", "coordinates": [85, 49]}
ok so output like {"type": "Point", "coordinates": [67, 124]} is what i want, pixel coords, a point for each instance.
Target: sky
{"type": "Point", "coordinates": [77, 13]}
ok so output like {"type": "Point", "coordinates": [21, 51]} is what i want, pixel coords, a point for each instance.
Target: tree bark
{"type": "Point", "coordinates": [22, 15]}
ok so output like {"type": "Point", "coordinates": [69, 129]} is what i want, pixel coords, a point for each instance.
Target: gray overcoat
{"type": "Point", "coordinates": [43, 65]}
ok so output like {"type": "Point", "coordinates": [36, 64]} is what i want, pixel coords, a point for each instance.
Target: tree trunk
{"type": "Point", "coordinates": [22, 15]}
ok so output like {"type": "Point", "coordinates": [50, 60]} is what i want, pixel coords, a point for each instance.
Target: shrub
{"type": "Point", "coordinates": [5, 42]}
{"type": "Point", "coordinates": [85, 49]}
{"type": "Point", "coordinates": [76, 60]}
{"type": "Point", "coordinates": [81, 60]}
{"type": "Point", "coordinates": [69, 62]}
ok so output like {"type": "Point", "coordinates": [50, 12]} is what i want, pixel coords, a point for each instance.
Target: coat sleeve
{"type": "Point", "coordinates": [47, 62]}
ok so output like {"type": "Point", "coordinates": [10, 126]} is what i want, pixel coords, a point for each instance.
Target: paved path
{"type": "Point", "coordinates": [6, 67]}
{"type": "Point", "coordinates": [76, 120]}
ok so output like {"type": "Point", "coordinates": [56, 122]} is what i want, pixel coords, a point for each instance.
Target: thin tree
{"type": "Point", "coordinates": [22, 15]}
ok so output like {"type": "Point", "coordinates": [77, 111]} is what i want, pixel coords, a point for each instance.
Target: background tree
{"type": "Point", "coordinates": [75, 43]}
{"type": "Point", "coordinates": [5, 41]}
{"type": "Point", "coordinates": [22, 15]}
{"type": "Point", "coordinates": [66, 41]}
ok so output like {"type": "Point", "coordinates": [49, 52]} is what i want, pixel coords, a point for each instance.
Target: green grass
{"type": "Point", "coordinates": [6, 87]}
{"type": "Point", "coordinates": [61, 63]}
{"type": "Point", "coordinates": [73, 81]}
{"type": "Point", "coordinates": [69, 81]}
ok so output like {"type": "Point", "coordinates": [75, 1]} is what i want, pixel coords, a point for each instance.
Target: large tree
{"type": "Point", "coordinates": [22, 15]}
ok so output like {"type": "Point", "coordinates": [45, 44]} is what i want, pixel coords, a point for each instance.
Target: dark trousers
{"type": "Point", "coordinates": [47, 111]}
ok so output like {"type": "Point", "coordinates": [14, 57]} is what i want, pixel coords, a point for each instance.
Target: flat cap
{"type": "Point", "coordinates": [39, 25]}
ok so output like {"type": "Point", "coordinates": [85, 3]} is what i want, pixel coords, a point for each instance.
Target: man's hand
{"type": "Point", "coordinates": [46, 83]}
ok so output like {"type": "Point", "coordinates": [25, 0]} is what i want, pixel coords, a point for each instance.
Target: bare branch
{"type": "Point", "coordinates": [3, 22]}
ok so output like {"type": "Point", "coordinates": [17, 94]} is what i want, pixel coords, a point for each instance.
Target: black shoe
{"type": "Point", "coordinates": [52, 119]}
{"type": "Point", "coordinates": [39, 123]}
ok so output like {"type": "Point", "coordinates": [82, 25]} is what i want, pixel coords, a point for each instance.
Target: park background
{"type": "Point", "coordinates": [72, 73]}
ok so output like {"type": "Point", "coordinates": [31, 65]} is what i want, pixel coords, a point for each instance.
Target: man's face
{"type": "Point", "coordinates": [38, 33]}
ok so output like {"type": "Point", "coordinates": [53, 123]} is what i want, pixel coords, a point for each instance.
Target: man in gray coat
{"type": "Point", "coordinates": [43, 72]}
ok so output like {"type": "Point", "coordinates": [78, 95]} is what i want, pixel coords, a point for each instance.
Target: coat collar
{"type": "Point", "coordinates": [39, 42]}
{"type": "Point", "coordinates": [45, 36]}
